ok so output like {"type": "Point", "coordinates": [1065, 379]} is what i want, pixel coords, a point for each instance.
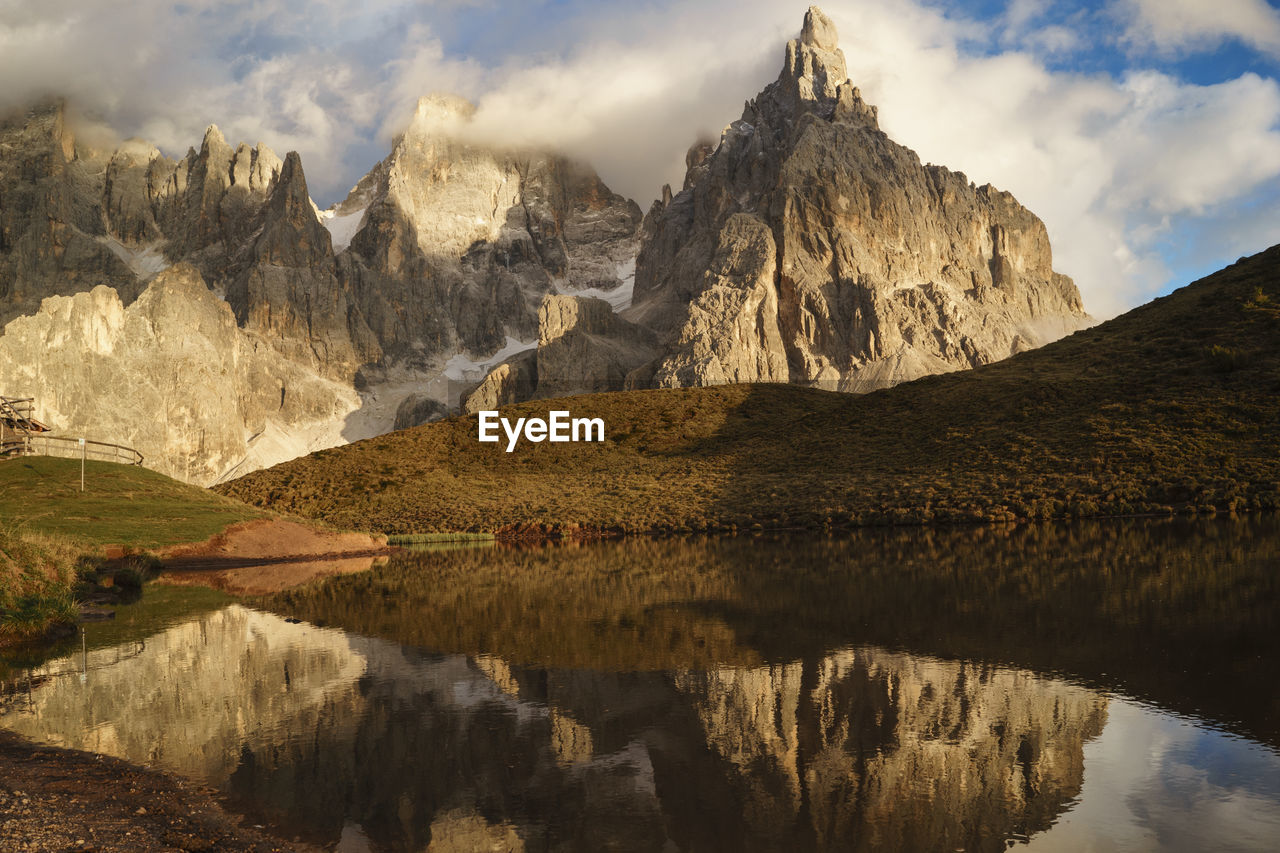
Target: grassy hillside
{"type": "Point", "coordinates": [1173, 407]}
{"type": "Point", "coordinates": [122, 504]}
{"type": "Point", "coordinates": [51, 533]}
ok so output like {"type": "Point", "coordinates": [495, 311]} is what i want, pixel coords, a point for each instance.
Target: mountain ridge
{"type": "Point", "coordinates": [804, 247]}
{"type": "Point", "coordinates": [1173, 407]}
{"type": "Point", "coordinates": [77, 215]}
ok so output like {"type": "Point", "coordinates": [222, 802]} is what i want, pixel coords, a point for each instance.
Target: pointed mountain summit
{"type": "Point", "coordinates": [810, 247]}
{"type": "Point", "coordinates": [806, 246]}
{"type": "Point", "coordinates": [454, 243]}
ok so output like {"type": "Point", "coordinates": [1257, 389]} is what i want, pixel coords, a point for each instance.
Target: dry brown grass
{"type": "Point", "coordinates": [1171, 408]}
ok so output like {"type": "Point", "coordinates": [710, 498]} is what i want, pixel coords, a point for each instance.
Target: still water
{"type": "Point", "coordinates": [1090, 687]}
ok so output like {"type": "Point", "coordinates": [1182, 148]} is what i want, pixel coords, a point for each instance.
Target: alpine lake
{"type": "Point", "coordinates": [1089, 686]}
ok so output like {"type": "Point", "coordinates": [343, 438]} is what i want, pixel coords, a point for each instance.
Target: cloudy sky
{"type": "Point", "coordinates": [1146, 133]}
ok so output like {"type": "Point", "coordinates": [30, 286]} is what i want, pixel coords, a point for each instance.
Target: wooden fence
{"type": "Point", "coordinates": [57, 445]}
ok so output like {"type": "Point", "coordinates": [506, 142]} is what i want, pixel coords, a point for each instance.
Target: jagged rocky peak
{"type": "Point", "coordinates": [453, 242]}
{"type": "Point", "coordinates": [815, 65]}
{"type": "Point", "coordinates": [807, 246]}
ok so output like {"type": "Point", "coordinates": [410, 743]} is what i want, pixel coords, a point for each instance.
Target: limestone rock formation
{"type": "Point", "coordinates": [583, 347]}
{"type": "Point", "coordinates": [418, 409]}
{"type": "Point", "coordinates": [514, 380]}
{"type": "Point", "coordinates": [808, 247]}
{"type": "Point", "coordinates": [445, 249]}
{"type": "Point", "coordinates": [52, 238]}
{"type": "Point", "coordinates": [456, 244]}
{"type": "Point", "coordinates": [171, 375]}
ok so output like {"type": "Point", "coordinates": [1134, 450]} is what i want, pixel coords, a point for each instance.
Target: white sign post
{"type": "Point", "coordinates": [82, 453]}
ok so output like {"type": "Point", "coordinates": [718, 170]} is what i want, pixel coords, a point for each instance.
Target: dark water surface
{"type": "Point", "coordinates": [1089, 687]}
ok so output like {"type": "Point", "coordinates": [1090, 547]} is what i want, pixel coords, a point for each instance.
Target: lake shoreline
{"type": "Point", "coordinates": [64, 799]}
{"type": "Point", "coordinates": [489, 651]}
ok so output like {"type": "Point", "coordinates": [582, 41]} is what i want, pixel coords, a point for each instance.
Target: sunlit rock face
{"type": "Point", "coordinates": [445, 249]}
{"type": "Point", "coordinates": [807, 246]}
{"type": "Point", "coordinates": [171, 375]}
{"type": "Point", "coordinates": [457, 243]}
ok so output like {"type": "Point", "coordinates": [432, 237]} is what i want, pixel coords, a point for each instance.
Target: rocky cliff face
{"type": "Point", "coordinates": [809, 247]}
{"type": "Point", "coordinates": [53, 240]}
{"type": "Point", "coordinates": [455, 245]}
{"type": "Point", "coordinates": [806, 246]}
{"type": "Point", "coordinates": [441, 254]}
{"type": "Point", "coordinates": [173, 376]}
{"type": "Point", "coordinates": [583, 347]}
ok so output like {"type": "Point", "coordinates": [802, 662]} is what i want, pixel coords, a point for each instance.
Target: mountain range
{"type": "Point", "coordinates": [206, 312]}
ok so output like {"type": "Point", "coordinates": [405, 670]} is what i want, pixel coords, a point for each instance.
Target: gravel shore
{"type": "Point", "coordinates": [64, 800]}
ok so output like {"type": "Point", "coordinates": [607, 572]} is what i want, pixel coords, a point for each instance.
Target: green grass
{"type": "Point", "coordinates": [1171, 408]}
{"type": "Point", "coordinates": [51, 534]}
{"type": "Point", "coordinates": [415, 539]}
{"type": "Point", "coordinates": [122, 505]}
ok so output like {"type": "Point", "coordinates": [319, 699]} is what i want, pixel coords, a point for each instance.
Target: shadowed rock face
{"type": "Point", "coordinates": [53, 240]}
{"type": "Point", "coordinates": [583, 347]}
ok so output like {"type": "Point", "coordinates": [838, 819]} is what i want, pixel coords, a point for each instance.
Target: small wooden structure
{"type": "Point", "coordinates": [22, 435]}
{"type": "Point", "coordinates": [18, 424]}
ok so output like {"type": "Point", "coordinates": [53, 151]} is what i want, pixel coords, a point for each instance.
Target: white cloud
{"type": "Point", "coordinates": [1176, 25]}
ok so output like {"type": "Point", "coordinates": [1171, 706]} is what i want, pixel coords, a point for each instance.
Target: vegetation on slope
{"type": "Point", "coordinates": [37, 576]}
{"type": "Point", "coordinates": [122, 504]}
{"type": "Point", "coordinates": [1171, 408]}
{"type": "Point", "coordinates": [51, 533]}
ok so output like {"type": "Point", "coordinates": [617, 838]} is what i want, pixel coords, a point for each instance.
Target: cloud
{"type": "Point", "coordinates": [1173, 26]}
{"type": "Point", "coordinates": [1139, 175]}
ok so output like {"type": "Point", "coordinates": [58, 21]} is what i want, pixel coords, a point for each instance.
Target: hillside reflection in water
{"type": "Point", "coordinates": [1107, 684]}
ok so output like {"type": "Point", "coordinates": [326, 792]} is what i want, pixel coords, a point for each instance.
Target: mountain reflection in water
{"type": "Point", "coordinates": [900, 690]}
